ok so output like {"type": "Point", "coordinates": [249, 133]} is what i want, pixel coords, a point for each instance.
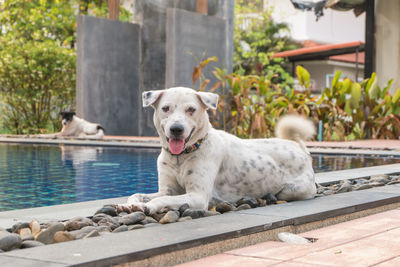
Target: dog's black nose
{"type": "Point", "coordinates": [176, 130]}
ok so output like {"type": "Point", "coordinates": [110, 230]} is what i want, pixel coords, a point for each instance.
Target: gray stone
{"type": "Point", "coordinates": [63, 236]}
{"type": "Point", "coordinates": [25, 234]}
{"type": "Point", "coordinates": [184, 219]}
{"type": "Point", "coordinates": [107, 210]}
{"type": "Point", "coordinates": [244, 207]}
{"type": "Point", "coordinates": [183, 208]}
{"type": "Point", "coordinates": [223, 207]}
{"type": "Point", "coordinates": [328, 192]}
{"type": "Point", "coordinates": [148, 220]}
{"type": "Point", "coordinates": [362, 186]}
{"type": "Point", "coordinates": [292, 238]}
{"type": "Point", "coordinates": [20, 225]}
{"type": "Point", "coordinates": [98, 217]}
{"type": "Point", "coordinates": [261, 202]}
{"type": "Point", "coordinates": [31, 244]}
{"type": "Point", "coordinates": [108, 74]}
{"type": "Point", "coordinates": [110, 222]}
{"type": "Point", "coordinates": [93, 233]}
{"type": "Point", "coordinates": [135, 226]}
{"type": "Point", "coordinates": [77, 223]}
{"type": "Point", "coordinates": [208, 213]}
{"type": "Point", "coordinates": [132, 218]}
{"type": "Point", "coordinates": [158, 216]}
{"type": "Point", "coordinates": [270, 199]}
{"type": "Point", "coordinates": [103, 228]}
{"type": "Point", "coordinates": [35, 227]}
{"type": "Point", "coordinates": [380, 178]}
{"type": "Point", "coordinates": [170, 217]}
{"type": "Point", "coordinates": [9, 241]}
{"type": "Point", "coordinates": [82, 232]}
{"type": "Point", "coordinates": [377, 184]}
{"type": "Point", "coordinates": [345, 187]}
{"type": "Point", "coordinates": [122, 228]}
{"type": "Point", "coordinates": [361, 181]}
{"type": "Point", "coordinates": [251, 201]}
{"type": "Point", "coordinates": [46, 236]}
{"type": "Point", "coordinates": [194, 213]}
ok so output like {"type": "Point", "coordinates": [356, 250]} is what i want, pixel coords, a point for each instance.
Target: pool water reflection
{"type": "Point", "coordinates": [43, 175]}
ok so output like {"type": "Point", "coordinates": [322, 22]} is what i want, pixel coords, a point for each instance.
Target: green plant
{"type": "Point", "coordinates": [256, 38]}
{"type": "Point", "coordinates": [348, 110]}
{"type": "Point", "coordinates": [37, 61]}
{"type": "Point", "coordinates": [250, 105]}
{"type": "Point", "coordinates": [351, 110]}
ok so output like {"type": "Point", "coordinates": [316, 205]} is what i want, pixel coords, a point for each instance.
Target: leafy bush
{"type": "Point", "coordinates": [257, 104]}
{"type": "Point", "coordinates": [255, 43]}
{"type": "Point", "coordinates": [348, 110]}
{"type": "Point", "coordinates": [351, 110]}
{"type": "Point", "coordinates": [37, 61]}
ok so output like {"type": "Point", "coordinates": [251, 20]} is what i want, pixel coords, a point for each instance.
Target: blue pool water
{"type": "Point", "coordinates": [44, 175]}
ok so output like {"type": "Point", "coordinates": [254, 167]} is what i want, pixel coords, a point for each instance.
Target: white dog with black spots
{"type": "Point", "coordinates": [199, 164]}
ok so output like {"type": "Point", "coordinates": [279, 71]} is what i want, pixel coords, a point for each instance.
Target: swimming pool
{"type": "Point", "coordinates": [44, 175]}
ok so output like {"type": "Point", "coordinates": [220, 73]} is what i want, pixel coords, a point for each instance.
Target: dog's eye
{"type": "Point", "coordinates": [191, 110]}
{"type": "Point", "coordinates": [165, 108]}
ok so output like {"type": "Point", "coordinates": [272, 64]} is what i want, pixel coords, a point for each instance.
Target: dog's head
{"type": "Point", "coordinates": [67, 117]}
{"type": "Point", "coordinates": [180, 115]}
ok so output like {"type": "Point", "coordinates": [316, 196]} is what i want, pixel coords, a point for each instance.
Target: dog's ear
{"type": "Point", "coordinates": [210, 100]}
{"type": "Point", "coordinates": [150, 97]}
{"type": "Point", "coordinates": [65, 114]}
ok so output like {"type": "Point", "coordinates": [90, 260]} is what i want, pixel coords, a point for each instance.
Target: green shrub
{"type": "Point", "coordinates": [348, 110]}
{"type": "Point", "coordinates": [255, 44]}
{"type": "Point", "coordinates": [351, 110]}
{"type": "Point", "coordinates": [37, 64]}
{"type": "Point", "coordinates": [37, 61]}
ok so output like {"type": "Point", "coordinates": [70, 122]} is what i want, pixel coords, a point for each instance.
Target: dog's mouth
{"type": "Point", "coordinates": [176, 146]}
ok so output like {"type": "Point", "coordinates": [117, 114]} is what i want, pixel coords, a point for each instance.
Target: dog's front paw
{"type": "Point", "coordinates": [131, 207]}
{"type": "Point", "coordinates": [151, 208]}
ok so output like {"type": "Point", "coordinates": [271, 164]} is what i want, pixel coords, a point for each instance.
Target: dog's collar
{"type": "Point", "coordinates": [189, 149]}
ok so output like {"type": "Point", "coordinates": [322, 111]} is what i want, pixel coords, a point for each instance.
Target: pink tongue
{"type": "Point", "coordinates": [176, 145]}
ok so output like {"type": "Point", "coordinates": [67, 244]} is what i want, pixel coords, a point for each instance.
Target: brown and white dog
{"type": "Point", "coordinates": [199, 164]}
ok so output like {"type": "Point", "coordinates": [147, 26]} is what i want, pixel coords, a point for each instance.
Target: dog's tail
{"type": "Point", "coordinates": [296, 128]}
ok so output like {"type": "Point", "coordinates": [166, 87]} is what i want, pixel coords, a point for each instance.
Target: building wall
{"type": "Point", "coordinates": [321, 68]}
{"type": "Point", "coordinates": [387, 38]}
{"type": "Point", "coordinates": [333, 27]}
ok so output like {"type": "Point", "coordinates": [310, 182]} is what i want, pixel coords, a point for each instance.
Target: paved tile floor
{"type": "Point", "coordinates": [369, 241]}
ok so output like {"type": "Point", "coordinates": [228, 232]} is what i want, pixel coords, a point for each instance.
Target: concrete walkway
{"type": "Point", "coordinates": [358, 144]}
{"type": "Point", "coordinates": [370, 144]}
{"type": "Point", "coordinates": [369, 241]}
{"type": "Point", "coordinates": [376, 144]}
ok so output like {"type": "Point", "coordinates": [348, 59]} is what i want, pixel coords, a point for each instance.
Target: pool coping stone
{"type": "Point", "coordinates": [337, 176]}
{"type": "Point", "coordinates": [143, 243]}
{"type": "Point", "coordinates": [87, 208]}
{"type": "Point", "coordinates": [153, 142]}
